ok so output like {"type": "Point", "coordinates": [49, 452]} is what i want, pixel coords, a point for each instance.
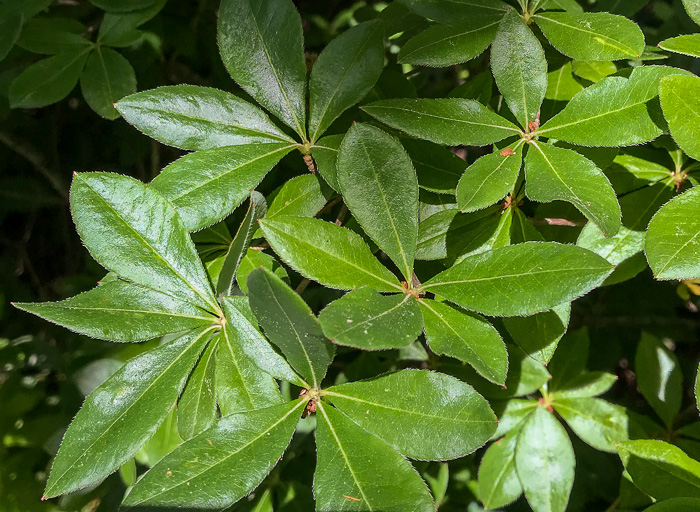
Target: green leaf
{"type": "Point", "coordinates": [558, 173]}
{"type": "Point", "coordinates": [344, 73]}
{"type": "Point", "coordinates": [380, 187]}
{"type": "Point", "coordinates": [244, 333]}
{"type": "Point", "coordinates": [207, 185]}
{"type": "Point", "coordinates": [659, 377]}
{"type": "Point", "coordinates": [563, 5]}
{"type": "Point", "coordinates": [676, 504]}
{"type": "Point", "coordinates": [624, 250]}
{"type": "Point", "coordinates": [334, 256]}
{"type": "Point", "coordinates": [467, 337]}
{"type": "Point", "coordinates": [194, 117]}
{"type": "Point", "coordinates": [693, 9]}
{"type": "Point", "coordinates": [254, 259]}
{"type": "Point", "coordinates": [120, 415]}
{"type": "Point", "coordinates": [424, 415]}
{"type": "Point", "coordinates": [680, 100]}
{"type": "Point", "coordinates": [512, 413]}
{"type": "Point", "coordinates": [239, 244]}
{"type": "Point", "coordinates": [521, 279]}
{"type": "Point", "coordinates": [107, 78]}
{"type": "Point", "coordinates": [240, 384]}
{"type": "Point", "coordinates": [538, 335]}
{"type": "Point", "coordinates": [221, 465]}
{"type": "Point", "coordinates": [587, 384]}
{"type": "Point", "coordinates": [290, 325]}
{"type": "Point", "coordinates": [544, 460]}
{"type": "Point", "coordinates": [490, 178]}
{"type": "Point", "coordinates": [53, 35]}
{"type": "Point", "coordinates": [661, 470]}
{"type": "Point", "coordinates": [121, 311]}
{"type": "Point", "coordinates": [593, 71]}
{"type": "Point", "coordinates": [687, 44]}
{"type": "Point", "coordinates": [10, 29]}
{"type": "Point", "coordinates": [597, 422]}
{"type": "Point", "coordinates": [325, 153]}
{"type": "Point", "coordinates": [612, 112]}
{"type": "Point", "coordinates": [457, 11]}
{"type": "Point", "coordinates": [119, 28]}
{"type": "Point", "coordinates": [697, 387]}
{"type": "Point", "coordinates": [121, 222]}
{"type": "Point", "coordinates": [592, 36]}
{"type": "Point", "coordinates": [498, 483]}
{"type": "Point", "coordinates": [164, 441]}
{"type": "Point", "coordinates": [122, 5]}
{"type": "Point", "coordinates": [302, 196]}
{"type": "Point", "coordinates": [262, 46]}
{"type": "Point", "coordinates": [367, 320]}
{"type": "Point", "coordinates": [49, 80]}
{"type": "Point", "coordinates": [347, 477]}
{"type": "Point", "coordinates": [449, 121]}
{"type": "Point", "coordinates": [561, 84]}
{"type": "Point", "coordinates": [196, 409]}
{"type": "Point", "coordinates": [438, 169]}
{"type": "Point", "coordinates": [519, 68]}
{"type": "Point", "coordinates": [673, 238]}
{"type": "Point", "coordinates": [440, 46]}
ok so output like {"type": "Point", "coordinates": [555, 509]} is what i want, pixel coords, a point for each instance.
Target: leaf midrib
{"type": "Point", "coordinates": [370, 319]}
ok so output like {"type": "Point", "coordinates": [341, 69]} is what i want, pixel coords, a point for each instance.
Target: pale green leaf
{"type": "Point", "coordinates": [498, 483]}
{"type": "Point", "coordinates": [659, 377]}
{"type": "Point", "coordinates": [687, 44]}
{"type": "Point", "coordinates": [680, 100]}
{"type": "Point", "coordinates": [693, 9]}
{"type": "Point", "coordinates": [561, 84]}
{"type": "Point", "coordinates": [597, 422]}
{"type": "Point", "coordinates": [586, 384]}
{"type": "Point", "coordinates": [538, 335]}
{"type": "Point", "coordinates": [302, 196]}
{"type": "Point", "coordinates": [592, 70]}
{"type": "Point", "coordinates": [253, 259]}
{"type": "Point", "coordinates": [676, 504]}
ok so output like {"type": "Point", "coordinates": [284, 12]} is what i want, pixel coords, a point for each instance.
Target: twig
{"type": "Point", "coordinates": [614, 505]}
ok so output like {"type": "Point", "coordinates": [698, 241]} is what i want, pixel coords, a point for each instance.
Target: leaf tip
{"type": "Point", "coordinates": [44, 498]}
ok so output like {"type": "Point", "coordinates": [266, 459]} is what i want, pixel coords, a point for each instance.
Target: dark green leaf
{"type": "Point", "coordinates": [196, 409]}
{"type": "Point", "coordinates": [659, 377]}
{"type": "Point", "coordinates": [457, 11]}
{"type": "Point", "coordinates": [53, 35]}
{"type": "Point", "coordinates": [438, 168]}
{"type": "Point", "coordinates": [498, 481]}
{"type": "Point", "coordinates": [119, 28]}
{"type": "Point", "coordinates": [107, 78]}
{"type": "Point", "coordinates": [680, 100]}
{"type": "Point", "coordinates": [599, 423]}
{"type": "Point", "coordinates": [325, 153]}
{"type": "Point", "coordinates": [10, 29]}
{"type": "Point", "coordinates": [122, 5]}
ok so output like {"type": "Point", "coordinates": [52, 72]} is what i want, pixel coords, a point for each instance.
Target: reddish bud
{"type": "Point", "coordinates": [507, 152]}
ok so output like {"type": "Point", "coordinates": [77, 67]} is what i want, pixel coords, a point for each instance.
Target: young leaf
{"type": "Point", "coordinates": [367, 320]}
{"type": "Point", "coordinates": [519, 68]}
{"type": "Point", "coordinates": [107, 78]}
{"type": "Point", "coordinates": [544, 460]}
{"type": "Point", "coordinates": [240, 384]}
{"type": "Point", "coordinates": [558, 173]}
{"type": "Point", "coordinates": [262, 46]}
{"type": "Point", "coordinates": [490, 178]}
{"type": "Point", "coordinates": [587, 384]}
{"type": "Point", "coordinates": [207, 185]}
{"type": "Point", "coordinates": [687, 44]}
{"type": "Point", "coordinates": [467, 337]}
{"type": "Point", "coordinates": [120, 415]}
{"type": "Point", "coordinates": [592, 36]}
{"type": "Point", "coordinates": [239, 244]}
{"type": "Point", "coordinates": [597, 422]}
{"type": "Point", "coordinates": [521, 279]}
{"type": "Point", "coordinates": [680, 100]}
{"type": "Point", "coordinates": [121, 311]}
{"type": "Point", "coordinates": [290, 324]}
{"type": "Point", "coordinates": [673, 238]}
{"type": "Point", "coordinates": [221, 465]}
{"type": "Point", "coordinates": [193, 117]}
{"type": "Point", "coordinates": [661, 470]}
{"type": "Point", "coordinates": [344, 73]}
{"type": "Point", "coordinates": [134, 217]}
{"type": "Point", "coordinates": [659, 377]}
{"type": "Point", "coordinates": [424, 415]}
{"type": "Point", "coordinates": [347, 477]}
{"type": "Point", "coordinates": [380, 187]}
{"type": "Point", "coordinates": [302, 196]}
{"type": "Point", "coordinates": [334, 256]}
{"type": "Point", "coordinates": [440, 46]}
{"type": "Point", "coordinates": [538, 335]}
{"type": "Point", "coordinates": [449, 121]}
{"type": "Point", "coordinates": [498, 483]}
{"type": "Point", "coordinates": [49, 80]}
{"type": "Point", "coordinates": [196, 409]}
{"type": "Point", "coordinates": [458, 11]}
{"type": "Point", "coordinates": [438, 169]}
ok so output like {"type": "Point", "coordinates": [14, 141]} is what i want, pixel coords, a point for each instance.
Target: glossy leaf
{"type": "Point", "coordinates": [193, 117]}
{"type": "Point", "coordinates": [490, 178]}
{"type": "Point", "coordinates": [133, 218]}
{"type": "Point", "coordinates": [544, 460]}
{"type": "Point", "coordinates": [458, 11]}
{"type": "Point", "coordinates": [196, 409]}
{"type": "Point", "coordinates": [344, 480]}
{"type": "Point", "coordinates": [498, 481]}
{"type": "Point", "coordinates": [221, 465]}
{"type": "Point", "coordinates": [467, 337]}
{"type": "Point", "coordinates": [676, 504]}
{"type": "Point", "coordinates": [437, 168]}
{"type": "Point", "coordinates": [595, 36]}
{"type": "Point", "coordinates": [661, 470]}
{"type": "Point", "coordinates": [519, 68]}
{"type": "Point", "coordinates": [380, 187]}
{"type": "Point", "coordinates": [344, 73]}
{"type": "Point", "coordinates": [334, 256]}
{"type": "Point", "coordinates": [120, 415]}
{"type": "Point", "coordinates": [206, 186]}
{"type": "Point", "coordinates": [673, 238]}
{"type": "Point", "coordinates": [367, 320]}
{"type": "Point", "coordinates": [538, 335]}
{"type": "Point", "coordinates": [597, 422]}
{"type": "Point", "coordinates": [659, 377]}
{"type": "Point", "coordinates": [686, 44]}
{"type": "Point", "coordinates": [522, 279]}
{"type": "Point", "coordinates": [107, 78]}
{"type": "Point", "coordinates": [424, 415]}
{"type": "Point", "coordinates": [558, 173]}
{"type": "Point", "coordinates": [290, 325]}
{"type": "Point", "coordinates": [262, 46]}
{"type": "Point", "coordinates": [121, 311]}
{"type": "Point", "coordinates": [450, 121]}
{"type": "Point", "coordinates": [587, 384]}
{"type": "Point", "coordinates": [325, 153]}
{"type": "Point", "coordinates": [302, 196]}
{"type": "Point", "coordinates": [680, 100]}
